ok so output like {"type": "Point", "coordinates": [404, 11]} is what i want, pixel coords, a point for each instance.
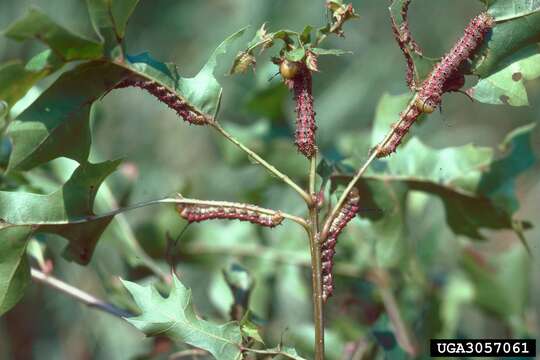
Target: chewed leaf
{"type": "Point", "coordinates": [69, 46]}
{"type": "Point", "coordinates": [67, 211]}
{"type": "Point", "coordinates": [507, 86]}
{"type": "Point", "coordinates": [203, 91]}
{"type": "Point", "coordinates": [466, 178]}
{"type": "Point", "coordinates": [175, 318]}
{"type": "Point", "coordinates": [507, 38]}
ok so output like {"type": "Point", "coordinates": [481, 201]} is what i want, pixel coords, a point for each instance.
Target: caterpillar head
{"type": "Point", "coordinates": [426, 105]}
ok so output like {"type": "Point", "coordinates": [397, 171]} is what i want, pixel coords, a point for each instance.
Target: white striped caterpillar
{"type": "Point", "coordinates": [169, 98]}
{"type": "Point", "coordinates": [298, 78]}
{"type": "Point", "coordinates": [347, 212]}
{"type": "Point", "coordinates": [230, 211]}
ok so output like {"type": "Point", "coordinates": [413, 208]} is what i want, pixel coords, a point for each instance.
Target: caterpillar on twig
{"type": "Point", "coordinates": [229, 211]}
{"type": "Point", "coordinates": [169, 98]}
{"type": "Point", "coordinates": [298, 78]}
{"type": "Point", "coordinates": [347, 212]}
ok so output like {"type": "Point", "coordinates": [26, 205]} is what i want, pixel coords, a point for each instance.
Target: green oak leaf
{"type": "Point", "coordinates": [175, 318]}
{"type": "Point", "coordinates": [295, 55]}
{"type": "Point", "coordinates": [506, 39]}
{"type": "Point", "coordinates": [249, 328]}
{"type": "Point", "coordinates": [15, 81]}
{"type": "Point", "coordinates": [65, 44]}
{"type": "Point", "coordinates": [67, 212]}
{"type": "Point", "coordinates": [477, 191]}
{"type": "Point", "coordinates": [57, 123]}
{"type": "Point", "coordinates": [14, 269]}
{"type": "Point", "coordinates": [507, 86]}
{"type": "Point", "coordinates": [510, 9]}
{"type": "Point", "coordinates": [202, 91]}
{"type": "Point", "coordinates": [517, 27]}
{"type": "Point", "coordinates": [110, 18]}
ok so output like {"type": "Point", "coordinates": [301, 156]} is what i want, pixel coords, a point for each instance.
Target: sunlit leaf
{"type": "Point", "coordinates": [14, 270]}
{"type": "Point", "coordinates": [507, 38]}
{"type": "Point", "coordinates": [69, 46]}
{"type": "Point", "coordinates": [507, 86]}
{"type": "Point", "coordinates": [467, 179]}
{"type": "Point", "coordinates": [509, 9]}
{"type": "Point", "coordinates": [175, 318]}
{"type": "Point", "coordinates": [203, 91]}
{"type": "Point", "coordinates": [67, 212]}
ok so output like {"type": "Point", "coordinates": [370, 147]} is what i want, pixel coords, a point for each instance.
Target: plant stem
{"type": "Point", "coordinates": [77, 294]}
{"type": "Point", "coordinates": [263, 162]}
{"type": "Point", "coordinates": [361, 171]}
{"type": "Point", "coordinates": [404, 337]}
{"type": "Point", "coordinates": [316, 265]}
{"type": "Point", "coordinates": [291, 217]}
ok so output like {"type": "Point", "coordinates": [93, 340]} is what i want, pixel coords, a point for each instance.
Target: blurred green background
{"type": "Point", "coordinates": [164, 155]}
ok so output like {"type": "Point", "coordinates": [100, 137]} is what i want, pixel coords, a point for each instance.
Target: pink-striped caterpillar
{"type": "Point", "coordinates": [399, 130]}
{"type": "Point", "coordinates": [347, 212]}
{"type": "Point", "coordinates": [298, 78]}
{"type": "Point", "coordinates": [229, 211]}
{"type": "Point", "coordinates": [169, 98]}
{"type": "Point", "coordinates": [445, 76]}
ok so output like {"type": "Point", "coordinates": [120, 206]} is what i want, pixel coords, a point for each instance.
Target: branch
{"type": "Point", "coordinates": [404, 337]}
{"type": "Point", "coordinates": [375, 154]}
{"type": "Point", "coordinates": [77, 294]}
{"type": "Point", "coordinates": [294, 218]}
{"type": "Point", "coordinates": [287, 180]}
{"type": "Point", "coordinates": [316, 264]}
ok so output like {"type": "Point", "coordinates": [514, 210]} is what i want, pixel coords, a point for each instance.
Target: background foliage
{"type": "Point", "coordinates": [446, 280]}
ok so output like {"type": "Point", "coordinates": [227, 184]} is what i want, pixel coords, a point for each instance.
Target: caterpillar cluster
{"type": "Point", "coordinates": [347, 212]}
{"type": "Point", "coordinates": [445, 76]}
{"type": "Point", "coordinates": [230, 211]}
{"type": "Point", "coordinates": [167, 97]}
{"type": "Point", "coordinates": [298, 78]}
